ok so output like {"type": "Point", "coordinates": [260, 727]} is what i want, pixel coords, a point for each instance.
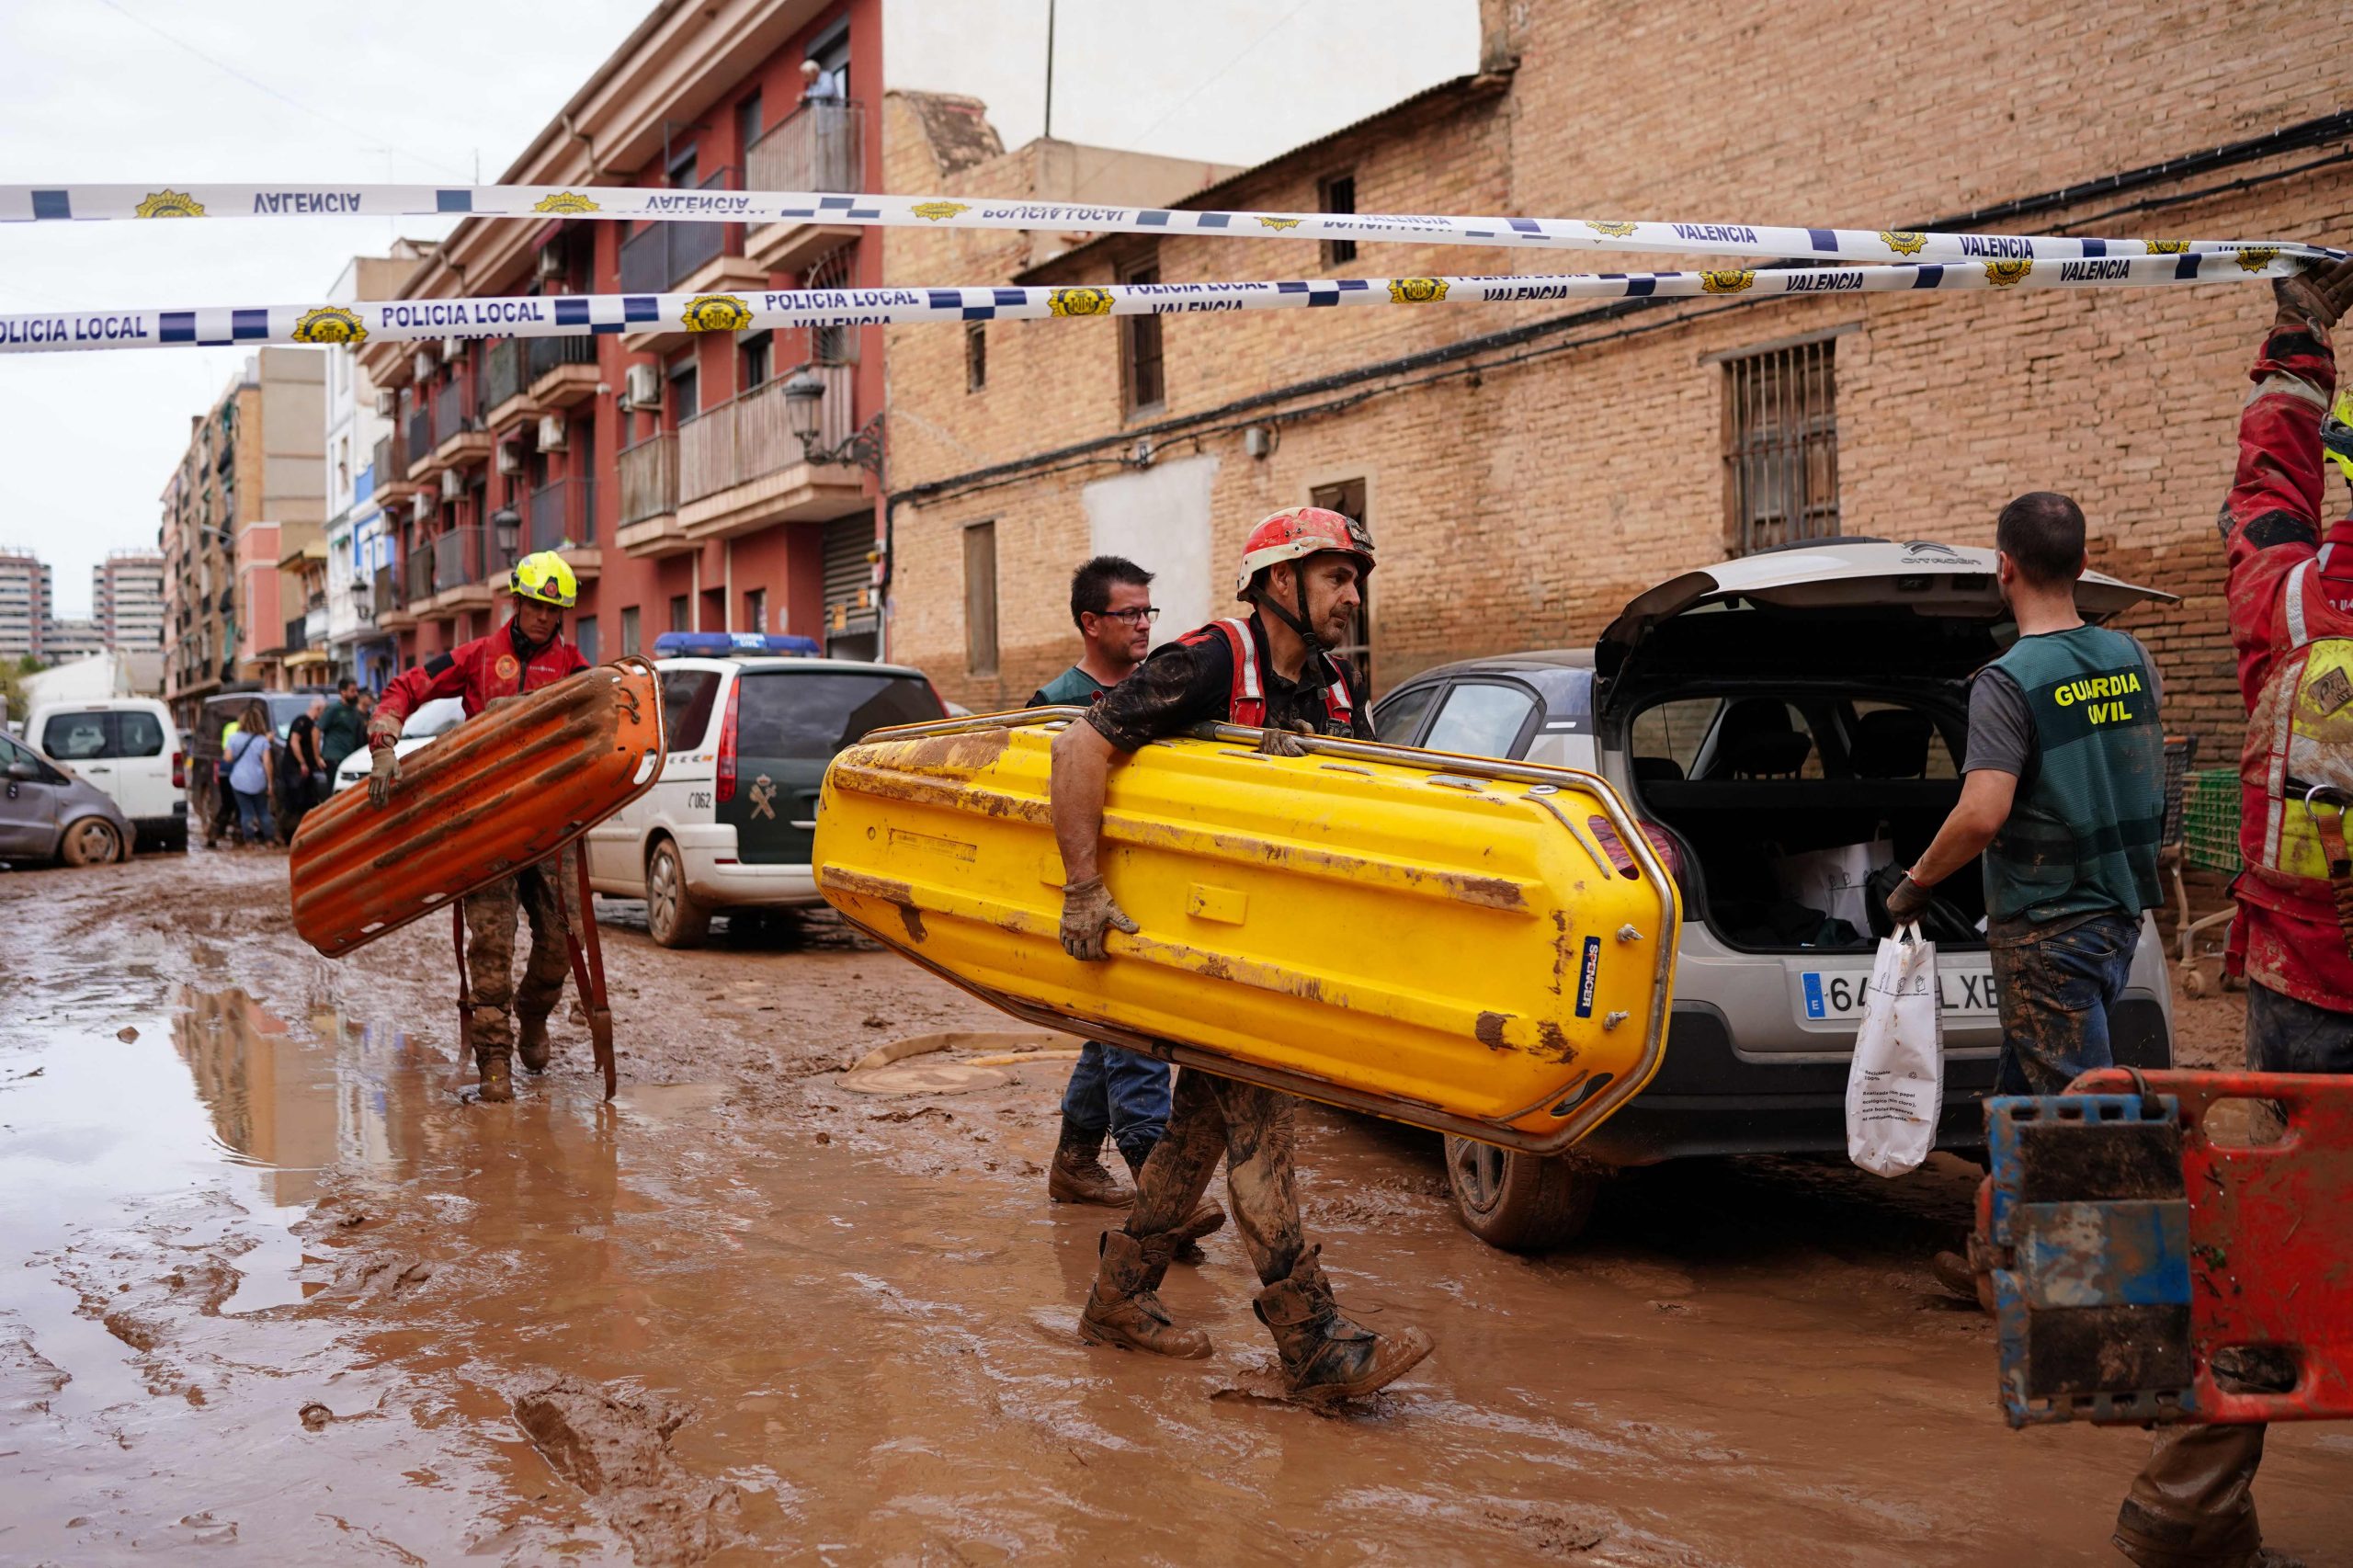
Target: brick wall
{"type": "Point", "coordinates": [1522, 506]}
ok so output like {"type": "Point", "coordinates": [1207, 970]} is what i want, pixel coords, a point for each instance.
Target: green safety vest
{"type": "Point", "coordinates": [1073, 687]}
{"type": "Point", "coordinates": [2081, 836]}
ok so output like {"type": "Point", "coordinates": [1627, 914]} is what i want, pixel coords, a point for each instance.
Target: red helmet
{"type": "Point", "coordinates": [1299, 532]}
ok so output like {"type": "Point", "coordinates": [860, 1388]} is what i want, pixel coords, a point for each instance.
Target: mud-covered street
{"type": "Point", "coordinates": [273, 1287]}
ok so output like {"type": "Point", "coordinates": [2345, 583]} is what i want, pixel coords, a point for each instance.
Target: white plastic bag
{"type": "Point", "coordinates": [1895, 1088]}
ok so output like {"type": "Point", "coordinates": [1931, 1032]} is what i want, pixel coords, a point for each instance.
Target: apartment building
{"type": "Point", "coordinates": [361, 561]}
{"type": "Point", "coordinates": [25, 603]}
{"type": "Point", "coordinates": [64, 640]}
{"type": "Point", "coordinates": [127, 600]}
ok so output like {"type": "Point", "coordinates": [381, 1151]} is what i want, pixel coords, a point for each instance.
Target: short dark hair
{"type": "Point", "coordinates": [348, 684]}
{"type": "Point", "coordinates": [2043, 532]}
{"type": "Point", "coordinates": [1090, 585]}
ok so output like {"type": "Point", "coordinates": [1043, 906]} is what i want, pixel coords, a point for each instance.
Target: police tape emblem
{"type": "Point", "coordinates": [1278, 222]}
{"type": "Point", "coordinates": [2255, 259]}
{"type": "Point", "coordinates": [1416, 290]}
{"type": "Point", "coordinates": [935, 210]}
{"type": "Point", "coordinates": [2166, 248]}
{"type": "Point", "coordinates": [1080, 302]}
{"type": "Point", "coordinates": [1615, 230]}
{"type": "Point", "coordinates": [1729, 280]}
{"type": "Point", "coordinates": [331, 323]}
{"type": "Point", "coordinates": [1903, 242]}
{"type": "Point", "coordinates": [716, 312]}
{"type": "Point", "coordinates": [565, 201]}
{"type": "Point", "coordinates": [170, 204]}
{"type": "Point", "coordinates": [2002, 274]}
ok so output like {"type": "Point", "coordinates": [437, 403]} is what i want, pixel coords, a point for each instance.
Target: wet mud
{"type": "Point", "coordinates": [272, 1287]}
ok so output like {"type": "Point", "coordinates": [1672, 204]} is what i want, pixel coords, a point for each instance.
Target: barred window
{"type": "Point", "coordinates": [1781, 447]}
{"type": "Point", "coordinates": [1140, 348]}
{"type": "Point", "coordinates": [980, 598]}
{"type": "Point", "coordinates": [1338, 193]}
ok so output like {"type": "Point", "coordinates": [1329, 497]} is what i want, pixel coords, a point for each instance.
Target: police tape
{"type": "Point", "coordinates": [25, 203]}
{"type": "Point", "coordinates": [562, 315]}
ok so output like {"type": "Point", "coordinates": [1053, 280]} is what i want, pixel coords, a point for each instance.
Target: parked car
{"type": "Point", "coordinates": [192, 769]}
{"type": "Point", "coordinates": [125, 745]}
{"type": "Point", "coordinates": [1806, 700]}
{"type": "Point", "coordinates": [729, 823]}
{"type": "Point", "coordinates": [46, 813]}
{"type": "Point", "coordinates": [430, 721]}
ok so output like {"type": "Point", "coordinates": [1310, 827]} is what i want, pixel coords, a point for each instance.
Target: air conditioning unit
{"type": "Point", "coordinates": [420, 506]}
{"type": "Point", "coordinates": [642, 388]}
{"type": "Point", "coordinates": [510, 457]}
{"type": "Point", "coordinates": [420, 364]}
{"type": "Point", "coordinates": [551, 263]}
{"type": "Point", "coordinates": [388, 402]}
{"type": "Point", "coordinates": [452, 346]}
{"type": "Point", "coordinates": [551, 435]}
{"type": "Point", "coordinates": [453, 485]}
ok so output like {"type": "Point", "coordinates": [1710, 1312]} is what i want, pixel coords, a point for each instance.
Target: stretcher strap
{"type": "Point", "coordinates": [588, 975]}
{"type": "Point", "coordinates": [465, 990]}
{"type": "Point", "coordinates": [2331, 825]}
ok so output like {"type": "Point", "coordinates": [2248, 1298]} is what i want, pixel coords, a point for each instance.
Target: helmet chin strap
{"type": "Point", "coordinates": [525, 649]}
{"type": "Point", "coordinates": [1319, 668]}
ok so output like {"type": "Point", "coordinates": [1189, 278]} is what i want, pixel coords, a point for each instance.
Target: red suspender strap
{"type": "Point", "coordinates": [588, 967]}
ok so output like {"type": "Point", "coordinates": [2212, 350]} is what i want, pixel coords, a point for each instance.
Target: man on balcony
{"type": "Point", "coordinates": [525, 655]}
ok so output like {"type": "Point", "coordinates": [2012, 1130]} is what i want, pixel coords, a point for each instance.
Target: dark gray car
{"type": "Point", "coordinates": [48, 814]}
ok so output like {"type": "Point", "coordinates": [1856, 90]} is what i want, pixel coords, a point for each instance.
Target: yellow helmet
{"type": "Point", "coordinates": [544, 577]}
{"type": "Point", "coordinates": [2337, 435]}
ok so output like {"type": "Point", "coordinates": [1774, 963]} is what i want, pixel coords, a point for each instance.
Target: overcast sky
{"type": "Point", "coordinates": [142, 90]}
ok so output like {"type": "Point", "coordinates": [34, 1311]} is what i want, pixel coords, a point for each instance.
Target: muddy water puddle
{"type": "Point", "coordinates": [277, 1288]}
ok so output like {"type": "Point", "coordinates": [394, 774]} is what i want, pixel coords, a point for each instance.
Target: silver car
{"type": "Point", "coordinates": [46, 813]}
{"type": "Point", "coordinates": [1781, 723]}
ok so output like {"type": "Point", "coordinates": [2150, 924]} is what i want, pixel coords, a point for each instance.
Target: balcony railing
{"type": "Point", "coordinates": [544, 353]}
{"type": "Point", "coordinates": [388, 595]}
{"type": "Point", "coordinates": [649, 476]}
{"type": "Point", "coordinates": [665, 254]}
{"type": "Point", "coordinates": [419, 572]}
{"type": "Point", "coordinates": [564, 514]}
{"type": "Point", "coordinates": [457, 559]}
{"type": "Point", "coordinates": [502, 373]}
{"type": "Point", "coordinates": [448, 412]}
{"type": "Point", "coordinates": [746, 436]}
{"type": "Point", "coordinates": [298, 636]}
{"type": "Point", "coordinates": [502, 547]}
{"type": "Point", "coordinates": [420, 438]}
{"type": "Point", "coordinates": [821, 146]}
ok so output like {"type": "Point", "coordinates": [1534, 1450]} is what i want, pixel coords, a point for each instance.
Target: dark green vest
{"type": "Point", "coordinates": [1073, 687]}
{"type": "Point", "coordinates": [2082, 837]}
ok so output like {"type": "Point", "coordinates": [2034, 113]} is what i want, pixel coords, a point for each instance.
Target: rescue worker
{"type": "Point", "coordinates": [1122, 1092]}
{"type": "Point", "coordinates": [2290, 596]}
{"type": "Point", "coordinates": [525, 655]}
{"type": "Point", "coordinates": [1302, 572]}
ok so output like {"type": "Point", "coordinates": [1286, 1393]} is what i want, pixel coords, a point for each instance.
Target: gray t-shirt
{"type": "Point", "coordinates": [2001, 730]}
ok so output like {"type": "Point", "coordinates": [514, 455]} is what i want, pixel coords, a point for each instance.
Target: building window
{"type": "Point", "coordinates": [832, 345]}
{"type": "Point", "coordinates": [756, 611]}
{"type": "Point", "coordinates": [747, 123]}
{"type": "Point", "coordinates": [1338, 193]}
{"type": "Point", "coordinates": [980, 599]}
{"type": "Point", "coordinates": [1140, 350]}
{"type": "Point", "coordinates": [1781, 447]}
{"type": "Point", "coordinates": [976, 355]}
{"type": "Point", "coordinates": [684, 387]}
{"type": "Point", "coordinates": [1346, 497]}
{"type": "Point", "coordinates": [584, 637]}
{"type": "Point", "coordinates": [678, 612]}
{"type": "Point", "coordinates": [759, 360]}
{"type": "Point", "coordinates": [630, 634]}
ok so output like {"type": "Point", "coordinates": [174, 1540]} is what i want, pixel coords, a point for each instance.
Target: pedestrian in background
{"type": "Point", "coordinates": [253, 766]}
{"type": "Point", "coordinates": [342, 729]}
{"type": "Point", "coordinates": [302, 781]}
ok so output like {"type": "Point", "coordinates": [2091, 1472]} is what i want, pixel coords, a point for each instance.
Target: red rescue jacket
{"type": "Point", "coordinates": [1248, 704]}
{"type": "Point", "coordinates": [480, 671]}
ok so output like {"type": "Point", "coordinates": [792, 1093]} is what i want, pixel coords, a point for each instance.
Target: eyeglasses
{"type": "Point", "coordinates": [1144, 615]}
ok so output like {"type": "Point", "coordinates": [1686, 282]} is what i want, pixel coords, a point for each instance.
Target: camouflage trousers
{"type": "Point", "coordinates": [1253, 1128]}
{"type": "Point", "coordinates": [548, 894]}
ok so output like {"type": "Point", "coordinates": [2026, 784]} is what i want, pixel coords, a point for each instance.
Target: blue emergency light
{"type": "Point", "coordinates": [720, 645]}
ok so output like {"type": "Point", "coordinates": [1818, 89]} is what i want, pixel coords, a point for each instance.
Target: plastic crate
{"type": "Point", "coordinates": [2210, 820]}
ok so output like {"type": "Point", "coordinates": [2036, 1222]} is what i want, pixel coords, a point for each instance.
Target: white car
{"type": "Point", "coordinates": [730, 822]}
{"type": "Point", "coordinates": [128, 748]}
{"type": "Point", "coordinates": [434, 719]}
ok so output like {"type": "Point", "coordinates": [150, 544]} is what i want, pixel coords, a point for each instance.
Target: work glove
{"type": "Point", "coordinates": [1907, 901]}
{"type": "Point", "coordinates": [2320, 294]}
{"type": "Point", "coordinates": [1087, 913]}
{"type": "Point", "coordinates": [1283, 741]}
{"type": "Point", "coordinates": [387, 773]}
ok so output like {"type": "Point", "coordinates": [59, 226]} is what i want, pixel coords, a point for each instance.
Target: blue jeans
{"type": "Point", "coordinates": [2055, 992]}
{"type": "Point", "coordinates": [1124, 1092]}
{"type": "Point", "coordinates": [252, 817]}
{"type": "Point", "coordinates": [2284, 1035]}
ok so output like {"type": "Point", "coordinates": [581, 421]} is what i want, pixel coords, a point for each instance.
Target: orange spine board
{"type": "Point", "coordinates": [507, 787]}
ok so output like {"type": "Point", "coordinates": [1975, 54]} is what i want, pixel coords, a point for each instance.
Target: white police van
{"type": "Point", "coordinates": [752, 721]}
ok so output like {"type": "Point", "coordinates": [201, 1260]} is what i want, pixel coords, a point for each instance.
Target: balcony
{"type": "Point", "coordinates": [741, 469]}
{"type": "Point", "coordinates": [460, 577]}
{"type": "Point", "coordinates": [417, 581]}
{"type": "Point", "coordinates": [420, 444]}
{"type": "Point", "coordinates": [819, 148]}
{"type": "Point", "coordinates": [561, 371]}
{"type": "Point", "coordinates": [683, 258]}
{"type": "Point", "coordinates": [506, 392]}
{"type": "Point", "coordinates": [459, 441]}
{"type": "Point", "coordinates": [649, 520]}
{"type": "Point", "coordinates": [391, 600]}
{"type": "Point", "coordinates": [562, 518]}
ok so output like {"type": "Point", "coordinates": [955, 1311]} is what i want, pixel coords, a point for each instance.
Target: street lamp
{"type": "Point", "coordinates": [805, 402]}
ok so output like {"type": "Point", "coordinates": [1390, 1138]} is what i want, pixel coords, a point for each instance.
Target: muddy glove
{"type": "Point", "coordinates": [1907, 901]}
{"type": "Point", "coordinates": [2320, 294]}
{"type": "Point", "coordinates": [1087, 913]}
{"type": "Point", "coordinates": [1283, 741]}
{"type": "Point", "coordinates": [387, 773]}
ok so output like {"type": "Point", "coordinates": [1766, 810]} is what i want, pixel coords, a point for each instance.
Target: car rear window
{"type": "Point", "coordinates": [812, 714]}
{"type": "Point", "coordinates": [138, 734]}
{"type": "Point", "coordinates": [688, 696]}
{"type": "Point", "coordinates": [75, 737]}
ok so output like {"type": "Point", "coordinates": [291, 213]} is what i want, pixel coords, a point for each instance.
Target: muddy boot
{"type": "Point", "coordinates": [1206, 1219]}
{"type": "Point", "coordinates": [498, 1080]}
{"type": "Point", "coordinates": [531, 1042]}
{"type": "Point", "coordinates": [1123, 1307]}
{"type": "Point", "coordinates": [1078, 1175]}
{"type": "Point", "coordinates": [1325, 1357]}
{"type": "Point", "coordinates": [1953, 1272]}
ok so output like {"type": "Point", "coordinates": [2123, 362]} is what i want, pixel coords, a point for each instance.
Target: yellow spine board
{"type": "Point", "coordinates": [1441, 941]}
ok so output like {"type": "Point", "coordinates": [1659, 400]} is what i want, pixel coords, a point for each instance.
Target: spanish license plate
{"type": "Point", "coordinates": [1963, 992]}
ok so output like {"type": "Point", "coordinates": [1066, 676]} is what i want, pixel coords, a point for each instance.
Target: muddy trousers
{"type": "Point", "coordinates": [545, 893]}
{"type": "Point", "coordinates": [1252, 1128]}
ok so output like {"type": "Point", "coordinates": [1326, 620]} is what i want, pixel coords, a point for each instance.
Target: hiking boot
{"type": "Point", "coordinates": [531, 1042]}
{"type": "Point", "coordinates": [1078, 1175]}
{"type": "Point", "coordinates": [1205, 1220]}
{"type": "Point", "coordinates": [1953, 1272]}
{"type": "Point", "coordinates": [1325, 1357]}
{"type": "Point", "coordinates": [1123, 1307]}
{"type": "Point", "coordinates": [498, 1080]}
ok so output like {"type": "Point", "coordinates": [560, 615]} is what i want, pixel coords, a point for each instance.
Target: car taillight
{"type": "Point", "coordinates": [180, 770]}
{"type": "Point", "coordinates": [727, 745]}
